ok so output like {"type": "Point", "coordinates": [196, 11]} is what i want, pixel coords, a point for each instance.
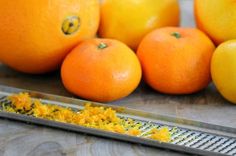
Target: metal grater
{"type": "Point", "coordinates": [187, 135]}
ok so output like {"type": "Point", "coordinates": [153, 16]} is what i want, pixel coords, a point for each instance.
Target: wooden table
{"type": "Point", "coordinates": [18, 139]}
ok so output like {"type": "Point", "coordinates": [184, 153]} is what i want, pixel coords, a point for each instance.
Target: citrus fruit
{"type": "Point", "coordinates": [101, 70]}
{"type": "Point", "coordinates": [129, 21]}
{"type": "Point", "coordinates": [37, 35]}
{"type": "Point", "coordinates": [176, 60]}
{"type": "Point", "coordinates": [217, 18]}
{"type": "Point", "coordinates": [223, 69]}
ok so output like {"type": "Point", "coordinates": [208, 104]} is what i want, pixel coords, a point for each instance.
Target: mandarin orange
{"type": "Point", "coordinates": [101, 70]}
{"type": "Point", "coordinates": [176, 60]}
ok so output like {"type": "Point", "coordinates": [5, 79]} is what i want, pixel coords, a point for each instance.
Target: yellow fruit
{"type": "Point", "coordinates": [223, 69]}
{"type": "Point", "coordinates": [130, 20]}
{"type": "Point", "coordinates": [217, 18]}
{"type": "Point", "coordinates": [36, 35]}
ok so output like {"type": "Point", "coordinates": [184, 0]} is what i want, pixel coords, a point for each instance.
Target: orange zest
{"type": "Point", "coordinates": [91, 116]}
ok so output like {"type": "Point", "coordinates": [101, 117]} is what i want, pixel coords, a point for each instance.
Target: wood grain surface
{"type": "Point", "coordinates": [20, 139]}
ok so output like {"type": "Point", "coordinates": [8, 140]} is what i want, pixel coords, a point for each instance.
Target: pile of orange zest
{"type": "Point", "coordinates": [91, 116]}
{"type": "Point", "coordinates": [162, 134]}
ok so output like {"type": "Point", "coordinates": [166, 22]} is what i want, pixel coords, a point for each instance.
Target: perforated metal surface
{"type": "Point", "coordinates": [183, 139]}
{"type": "Point", "coordinates": [195, 139]}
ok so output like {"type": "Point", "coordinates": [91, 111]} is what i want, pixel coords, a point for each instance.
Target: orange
{"type": "Point", "coordinates": [130, 20]}
{"type": "Point", "coordinates": [223, 69]}
{"type": "Point", "coordinates": [217, 18]}
{"type": "Point", "coordinates": [101, 70]}
{"type": "Point", "coordinates": [176, 60]}
{"type": "Point", "coordinates": [37, 35]}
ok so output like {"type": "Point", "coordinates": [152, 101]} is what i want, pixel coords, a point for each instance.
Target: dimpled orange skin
{"type": "Point", "coordinates": [216, 18]}
{"type": "Point", "coordinates": [129, 21]}
{"type": "Point", "coordinates": [176, 65]}
{"type": "Point", "coordinates": [32, 40]}
{"type": "Point", "coordinates": [101, 74]}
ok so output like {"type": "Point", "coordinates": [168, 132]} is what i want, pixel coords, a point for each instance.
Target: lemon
{"type": "Point", "coordinates": [130, 20]}
{"type": "Point", "coordinates": [223, 69]}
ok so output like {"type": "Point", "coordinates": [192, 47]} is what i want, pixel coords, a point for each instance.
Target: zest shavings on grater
{"type": "Point", "coordinates": [91, 116]}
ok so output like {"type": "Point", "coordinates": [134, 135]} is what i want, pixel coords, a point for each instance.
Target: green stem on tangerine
{"type": "Point", "coordinates": [176, 35]}
{"type": "Point", "coordinates": [102, 45]}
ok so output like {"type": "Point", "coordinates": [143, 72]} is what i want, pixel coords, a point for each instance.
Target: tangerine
{"type": "Point", "coordinates": [101, 70]}
{"type": "Point", "coordinates": [176, 60]}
